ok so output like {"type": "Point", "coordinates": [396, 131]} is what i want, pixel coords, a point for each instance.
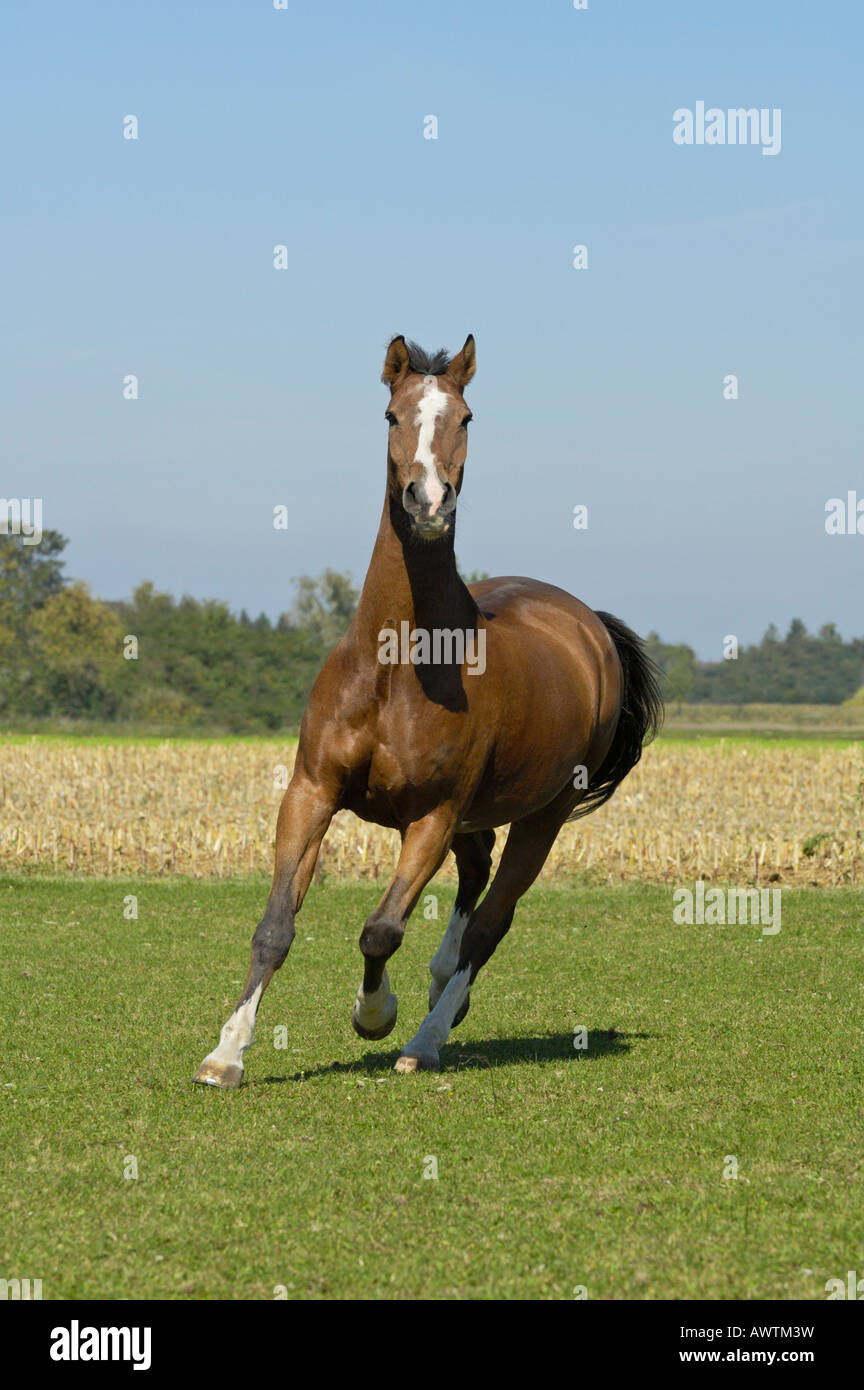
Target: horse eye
{"type": "Point", "coordinates": [390, 418]}
{"type": "Point", "coordinates": [465, 421]}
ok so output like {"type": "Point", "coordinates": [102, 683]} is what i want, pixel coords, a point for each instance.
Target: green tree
{"type": "Point", "coordinates": [680, 674]}
{"type": "Point", "coordinates": [80, 643]}
{"type": "Point", "coordinates": [324, 606]}
{"type": "Point", "coordinates": [29, 576]}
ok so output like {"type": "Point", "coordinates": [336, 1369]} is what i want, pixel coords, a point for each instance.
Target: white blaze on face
{"type": "Point", "coordinates": [432, 402]}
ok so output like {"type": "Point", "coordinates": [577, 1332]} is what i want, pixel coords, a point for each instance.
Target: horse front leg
{"type": "Point", "coordinates": [424, 848]}
{"type": "Point", "coordinates": [304, 815]}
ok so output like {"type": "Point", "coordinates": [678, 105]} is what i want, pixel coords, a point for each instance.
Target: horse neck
{"type": "Point", "coordinates": [411, 582]}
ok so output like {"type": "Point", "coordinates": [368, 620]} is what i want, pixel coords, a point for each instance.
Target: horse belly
{"type": "Point", "coordinates": [522, 788]}
{"type": "Point", "coordinates": [535, 760]}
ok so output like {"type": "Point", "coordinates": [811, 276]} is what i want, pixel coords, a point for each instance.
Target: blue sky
{"type": "Point", "coordinates": [604, 386]}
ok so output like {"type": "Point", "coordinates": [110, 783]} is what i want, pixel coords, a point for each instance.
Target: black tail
{"type": "Point", "coordinates": [640, 719]}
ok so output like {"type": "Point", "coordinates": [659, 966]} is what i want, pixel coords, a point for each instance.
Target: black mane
{"type": "Point", "coordinates": [427, 363]}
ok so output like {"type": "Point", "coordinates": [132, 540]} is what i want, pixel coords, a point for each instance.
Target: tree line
{"type": "Point", "coordinates": [800, 668]}
{"type": "Point", "coordinates": [152, 659]}
{"type": "Point", "coordinates": [158, 661]}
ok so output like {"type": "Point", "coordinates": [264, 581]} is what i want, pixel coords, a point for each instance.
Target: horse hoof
{"type": "Point", "coordinates": [380, 1030]}
{"type": "Point", "coordinates": [423, 1063]}
{"type": "Point", "coordinates": [212, 1073]}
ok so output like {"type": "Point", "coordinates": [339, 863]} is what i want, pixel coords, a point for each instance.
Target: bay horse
{"type": "Point", "coordinates": [436, 742]}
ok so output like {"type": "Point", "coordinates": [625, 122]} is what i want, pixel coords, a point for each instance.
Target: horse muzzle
{"type": "Point", "coordinates": [429, 522]}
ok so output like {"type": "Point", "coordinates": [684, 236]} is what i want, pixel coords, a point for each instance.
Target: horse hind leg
{"type": "Point", "coordinates": [422, 1052]}
{"type": "Point", "coordinates": [473, 854]}
{"type": "Point", "coordinates": [525, 852]}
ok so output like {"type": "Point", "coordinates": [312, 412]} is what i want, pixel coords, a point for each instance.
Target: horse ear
{"type": "Point", "coordinates": [397, 363]}
{"type": "Point", "coordinates": [464, 364]}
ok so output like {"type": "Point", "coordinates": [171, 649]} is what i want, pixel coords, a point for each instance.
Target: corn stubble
{"type": "Point", "coordinates": [724, 812]}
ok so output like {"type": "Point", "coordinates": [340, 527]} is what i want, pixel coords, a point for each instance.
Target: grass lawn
{"type": "Point", "coordinates": [557, 1168]}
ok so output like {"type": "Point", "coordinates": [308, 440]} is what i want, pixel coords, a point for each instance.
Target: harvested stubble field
{"type": "Point", "coordinates": [722, 809]}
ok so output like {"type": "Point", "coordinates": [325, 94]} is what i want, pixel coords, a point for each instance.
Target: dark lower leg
{"type": "Point", "coordinates": [473, 853]}
{"type": "Point", "coordinates": [424, 848]}
{"type": "Point", "coordinates": [527, 846]}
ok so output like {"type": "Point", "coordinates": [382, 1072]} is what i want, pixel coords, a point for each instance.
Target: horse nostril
{"type": "Point", "coordinates": [416, 501]}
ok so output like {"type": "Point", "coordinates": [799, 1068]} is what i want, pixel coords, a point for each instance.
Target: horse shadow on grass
{"type": "Point", "coordinates": [497, 1052]}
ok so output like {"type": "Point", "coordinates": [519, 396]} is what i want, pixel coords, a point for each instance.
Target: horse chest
{"type": "Point", "coordinates": [400, 785]}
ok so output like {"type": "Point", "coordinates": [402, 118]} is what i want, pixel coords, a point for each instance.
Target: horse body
{"type": "Point", "coordinates": [557, 702]}
{"type": "Point", "coordinates": [442, 748]}
{"type": "Point", "coordinates": [505, 751]}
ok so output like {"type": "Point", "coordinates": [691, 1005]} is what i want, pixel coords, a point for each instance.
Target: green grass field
{"type": "Point", "coordinates": [556, 1168]}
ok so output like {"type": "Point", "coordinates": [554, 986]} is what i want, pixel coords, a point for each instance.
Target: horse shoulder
{"type": "Point", "coordinates": [334, 734]}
